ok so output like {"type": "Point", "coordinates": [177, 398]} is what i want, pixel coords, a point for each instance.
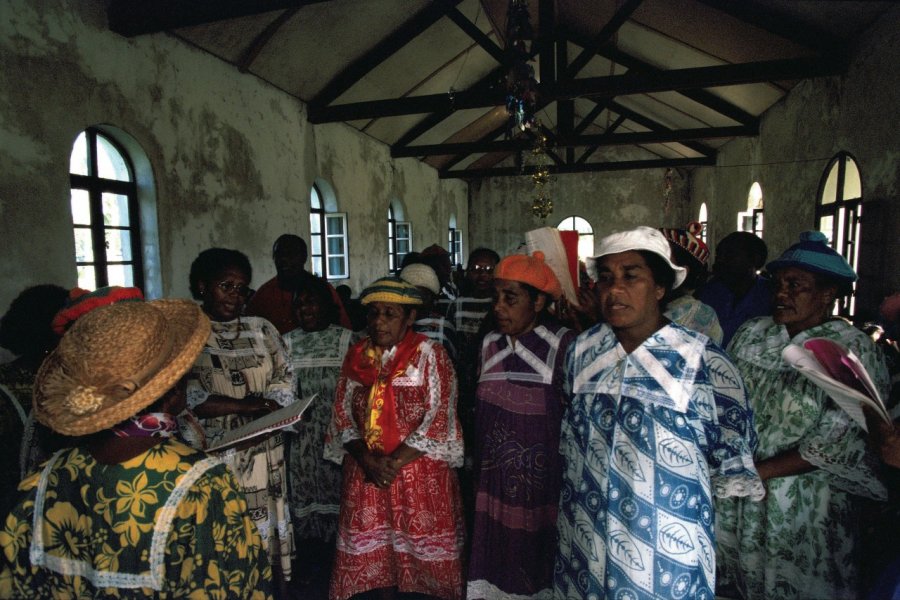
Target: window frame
{"type": "Point", "coordinates": [319, 217]}
{"type": "Point", "coordinates": [96, 187]}
{"type": "Point", "coordinates": [454, 246]}
{"type": "Point", "coordinates": [845, 235]}
{"type": "Point", "coordinates": [581, 234]}
{"type": "Point", "coordinates": [395, 256]}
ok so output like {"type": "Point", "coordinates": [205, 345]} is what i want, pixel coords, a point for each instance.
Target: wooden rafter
{"type": "Point", "coordinates": [623, 165]}
{"type": "Point", "coordinates": [600, 40]}
{"type": "Point", "coordinates": [558, 141]}
{"type": "Point", "coordinates": [696, 78]}
{"type": "Point", "coordinates": [257, 45]}
{"type": "Point", "coordinates": [138, 17]}
{"type": "Point", "coordinates": [486, 43]}
{"type": "Point", "coordinates": [424, 19]}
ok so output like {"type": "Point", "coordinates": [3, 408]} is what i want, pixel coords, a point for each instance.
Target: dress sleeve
{"type": "Point", "coordinates": [439, 435]}
{"type": "Point", "coordinates": [342, 428]}
{"type": "Point", "coordinates": [280, 386]}
{"type": "Point", "coordinates": [730, 431]}
{"type": "Point", "coordinates": [214, 545]}
{"type": "Point", "coordinates": [837, 444]}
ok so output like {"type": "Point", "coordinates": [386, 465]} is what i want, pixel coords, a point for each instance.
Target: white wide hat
{"type": "Point", "coordinates": [639, 238]}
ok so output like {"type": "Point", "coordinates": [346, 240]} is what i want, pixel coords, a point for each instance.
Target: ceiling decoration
{"type": "Point", "coordinates": [609, 84]}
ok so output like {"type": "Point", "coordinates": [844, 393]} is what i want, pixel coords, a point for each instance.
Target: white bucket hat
{"type": "Point", "coordinates": [421, 275]}
{"type": "Point", "coordinates": [639, 238]}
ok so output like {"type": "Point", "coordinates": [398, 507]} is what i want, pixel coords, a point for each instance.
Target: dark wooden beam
{"type": "Point", "coordinates": [559, 141]}
{"type": "Point", "coordinates": [459, 157]}
{"type": "Point", "coordinates": [565, 109]}
{"type": "Point", "coordinates": [433, 12]}
{"type": "Point", "coordinates": [781, 24]}
{"type": "Point", "coordinates": [625, 165]}
{"type": "Point", "coordinates": [652, 125]}
{"type": "Point", "coordinates": [597, 87]}
{"type": "Point", "coordinates": [494, 79]}
{"type": "Point", "coordinates": [608, 134]}
{"type": "Point", "coordinates": [702, 97]}
{"type": "Point", "coordinates": [257, 45]}
{"type": "Point", "coordinates": [595, 112]}
{"type": "Point", "coordinates": [697, 78]}
{"type": "Point", "coordinates": [606, 34]}
{"type": "Point", "coordinates": [476, 34]}
{"type": "Point", "coordinates": [138, 17]}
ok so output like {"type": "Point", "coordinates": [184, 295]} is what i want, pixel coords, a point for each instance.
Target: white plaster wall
{"type": "Point", "coordinates": [233, 158]}
{"type": "Point", "coordinates": [500, 210]}
{"type": "Point", "coordinates": [855, 113]}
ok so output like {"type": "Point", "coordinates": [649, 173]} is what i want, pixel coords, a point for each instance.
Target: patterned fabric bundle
{"type": "Point", "coordinates": [687, 239]}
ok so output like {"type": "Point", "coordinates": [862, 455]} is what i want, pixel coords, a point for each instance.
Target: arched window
{"type": "Point", "coordinates": [838, 214]}
{"type": "Point", "coordinates": [703, 219]}
{"type": "Point", "coordinates": [105, 213]}
{"type": "Point", "coordinates": [454, 243]}
{"type": "Point", "coordinates": [752, 219]}
{"type": "Point", "coordinates": [327, 234]}
{"type": "Point", "coordinates": [585, 234]}
{"type": "Point", "coordinates": [399, 237]}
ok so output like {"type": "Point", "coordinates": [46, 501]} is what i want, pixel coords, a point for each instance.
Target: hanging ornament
{"type": "Point", "coordinates": [521, 86]}
{"type": "Point", "coordinates": [541, 205]}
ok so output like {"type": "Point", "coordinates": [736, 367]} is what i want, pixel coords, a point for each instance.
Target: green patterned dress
{"type": "Point", "coordinates": [800, 540]}
{"type": "Point", "coordinates": [315, 483]}
{"type": "Point", "coordinates": [170, 522]}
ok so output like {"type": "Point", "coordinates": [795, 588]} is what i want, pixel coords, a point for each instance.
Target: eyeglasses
{"type": "Point", "coordinates": [227, 287]}
{"type": "Point", "coordinates": [481, 269]}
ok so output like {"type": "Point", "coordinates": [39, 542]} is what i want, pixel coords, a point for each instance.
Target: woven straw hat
{"type": "Point", "coordinates": [115, 361]}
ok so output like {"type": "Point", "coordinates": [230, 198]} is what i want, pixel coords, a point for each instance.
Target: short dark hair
{"type": "Point", "coordinates": [212, 261]}
{"type": "Point", "coordinates": [482, 251]}
{"type": "Point", "coordinates": [294, 239]}
{"type": "Point", "coordinates": [319, 288]}
{"type": "Point", "coordinates": [663, 274]}
{"type": "Point", "coordinates": [25, 328]}
{"type": "Point", "coordinates": [753, 244]}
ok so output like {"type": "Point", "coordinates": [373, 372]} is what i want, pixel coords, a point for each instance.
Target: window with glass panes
{"type": "Point", "coordinates": [454, 246]}
{"type": "Point", "coordinates": [105, 213]}
{"type": "Point", "coordinates": [703, 219]}
{"type": "Point", "coordinates": [399, 241]}
{"type": "Point", "coordinates": [838, 215]}
{"type": "Point", "coordinates": [328, 239]}
{"type": "Point", "coordinates": [585, 234]}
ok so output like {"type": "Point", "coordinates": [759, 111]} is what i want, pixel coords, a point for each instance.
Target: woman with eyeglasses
{"type": "Point", "coordinates": [243, 373]}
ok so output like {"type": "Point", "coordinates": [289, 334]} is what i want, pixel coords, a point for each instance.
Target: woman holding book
{"type": "Point", "coordinates": [801, 540]}
{"type": "Point", "coordinates": [243, 373]}
{"type": "Point", "coordinates": [396, 432]}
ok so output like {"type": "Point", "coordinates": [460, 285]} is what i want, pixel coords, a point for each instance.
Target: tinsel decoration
{"type": "Point", "coordinates": [542, 205]}
{"type": "Point", "coordinates": [521, 86]}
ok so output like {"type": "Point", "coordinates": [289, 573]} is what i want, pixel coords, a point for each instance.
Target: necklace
{"type": "Point", "coordinates": [237, 332]}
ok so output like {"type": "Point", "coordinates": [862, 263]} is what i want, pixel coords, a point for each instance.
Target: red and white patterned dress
{"type": "Point", "coordinates": [410, 535]}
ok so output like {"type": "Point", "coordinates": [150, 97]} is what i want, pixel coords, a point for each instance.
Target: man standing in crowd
{"type": "Point", "coordinates": [273, 300]}
{"type": "Point", "coordinates": [736, 292]}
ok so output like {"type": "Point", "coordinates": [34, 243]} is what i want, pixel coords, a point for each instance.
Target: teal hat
{"type": "Point", "coordinates": [391, 289]}
{"type": "Point", "coordinates": [812, 253]}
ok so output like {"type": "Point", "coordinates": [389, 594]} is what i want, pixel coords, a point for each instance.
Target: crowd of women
{"type": "Point", "coordinates": [500, 443]}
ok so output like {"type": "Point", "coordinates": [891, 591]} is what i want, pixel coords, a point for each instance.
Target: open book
{"type": "Point", "coordinates": [279, 419]}
{"type": "Point", "coordinates": [839, 372]}
{"type": "Point", "coordinates": [562, 258]}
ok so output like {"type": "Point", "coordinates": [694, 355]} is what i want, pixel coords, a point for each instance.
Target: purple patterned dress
{"type": "Point", "coordinates": [518, 465]}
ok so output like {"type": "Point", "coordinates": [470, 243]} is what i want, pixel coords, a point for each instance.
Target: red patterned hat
{"type": "Point", "coordinates": [689, 240]}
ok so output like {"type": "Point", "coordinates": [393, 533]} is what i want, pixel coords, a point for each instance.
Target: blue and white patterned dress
{"type": "Point", "coordinates": [648, 438]}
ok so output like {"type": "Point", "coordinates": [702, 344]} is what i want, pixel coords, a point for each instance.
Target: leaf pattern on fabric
{"type": "Point", "coordinates": [584, 531]}
{"type": "Point", "coordinates": [675, 539]}
{"type": "Point", "coordinates": [623, 549]}
{"type": "Point", "coordinates": [674, 453]}
{"type": "Point", "coordinates": [722, 374]}
{"type": "Point", "coordinates": [707, 553]}
{"type": "Point", "coordinates": [627, 459]}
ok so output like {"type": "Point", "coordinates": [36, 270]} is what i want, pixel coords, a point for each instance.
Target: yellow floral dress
{"type": "Point", "coordinates": [170, 522]}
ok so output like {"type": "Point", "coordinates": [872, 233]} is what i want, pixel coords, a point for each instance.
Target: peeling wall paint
{"type": "Point", "coordinates": [233, 159]}
{"type": "Point", "coordinates": [819, 118]}
{"type": "Point", "coordinates": [500, 210]}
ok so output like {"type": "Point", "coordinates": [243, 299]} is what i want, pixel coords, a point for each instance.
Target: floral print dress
{"type": "Point", "coordinates": [800, 541]}
{"type": "Point", "coordinates": [170, 522]}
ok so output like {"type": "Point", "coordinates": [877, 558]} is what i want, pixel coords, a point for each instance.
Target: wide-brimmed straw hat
{"type": "Point", "coordinates": [115, 361]}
